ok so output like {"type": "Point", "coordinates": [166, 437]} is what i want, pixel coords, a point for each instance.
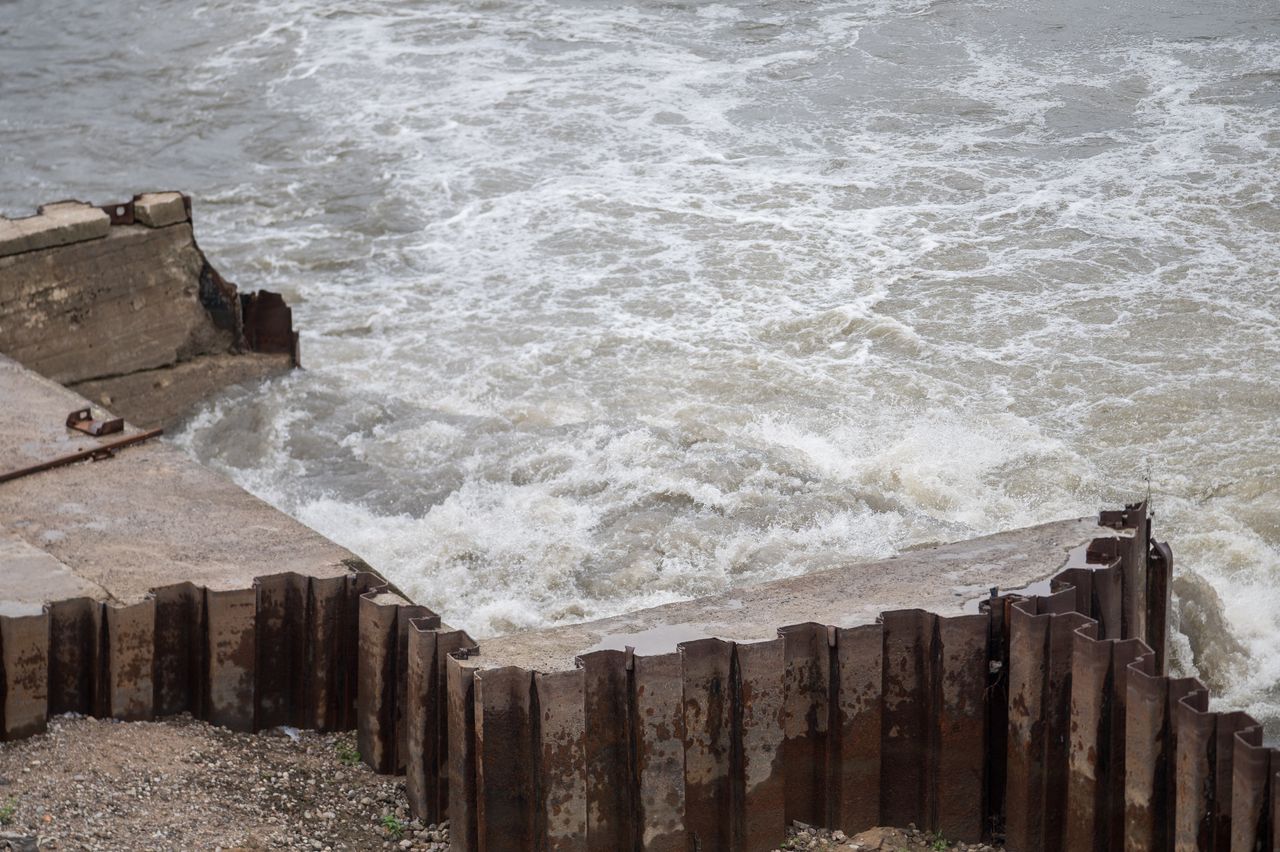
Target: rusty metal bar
{"type": "Point", "coordinates": [99, 452]}
{"type": "Point", "coordinates": [1159, 586]}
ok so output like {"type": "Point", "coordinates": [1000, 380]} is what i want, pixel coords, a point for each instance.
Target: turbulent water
{"type": "Point", "coordinates": [609, 305]}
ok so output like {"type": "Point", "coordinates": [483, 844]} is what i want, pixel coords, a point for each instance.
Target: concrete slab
{"type": "Point", "coordinates": [148, 517]}
{"type": "Point", "coordinates": [159, 209]}
{"type": "Point", "coordinates": [162, 397]}
{"type": "Point", "coordinates": [127, 302]}
{"type": "Point", "coordinates": [30, 578]}
{"type": "Point", "coordinates": [57, 224]}
{"type": "Point", "coordinates": [946, 579]}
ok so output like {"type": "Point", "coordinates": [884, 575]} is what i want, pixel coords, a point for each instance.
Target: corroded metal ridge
{"type": "Point", "coordinates": [290, 650]}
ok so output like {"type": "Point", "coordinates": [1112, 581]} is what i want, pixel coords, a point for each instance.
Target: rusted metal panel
{"type": "Point", "coordinates": [960, 682]}
{"type": "Point", "coordinates": [130, 658]}
{"type": "Point", "coordinates": [1274, 799]}
{"type": "Point", "coordinates": [1086, 784]}
{"type": "Point", "coordinates": [405, 615]}
{"type": "Point", "coordinates": [325, 676]}
{"type": "Point", "coordinates": [462, 755]}
{"type": "Point", "coordinates": [1080, 581]}
{"type": "Point", "coordinates": [1096, 784]}
{"type": "Point", "coordinates": [1057, 720]}
{"type": "Point", "coordinates": [997, 609]}
{"type": "Point", "coordinates": [607, 744]}
{"type": "Point", "coordinates": [708, 740]}
{"type": "Point", "coordinates": [448, 644]}
{"type": "Point", "coordinates": [357, 585]}
{"type": "Point", "coordinates": [421, 777]}
{"type": "Point", "coordinates": [1159, 586]}
{"type": "Point", "coordinates": [759, 782]}
{"type": "Point", "coordinates": [180, 650]}
{"type": "Point", "coordinates": [660, 753]}
{"type": "Point", "coordinates": [1251, 768]}
{"type": "Point", "coordinates": [281, 644]}
{"type": "Point", "coordinates": [1039, 718]}
{"type": "Point", "coordinates": [856, 730]}
{"type": "Point", "coordinates": [268, 323]}
{"type": "Point", "coordinates": [506, 772]}
{"type": "Point", "coordinates": [909, 743]}
{"type": "Point", "coordinates": [231, 656]}
{"type": "Point", "coordinates": [1196, 772]}
{"type": "Point", "coordinates": [1147, 758]}
{"type": "Point", "coordinates": [1108, 601]}
{"type": "Point", "coordinates": [1133, 553]}
{"type": "Point", "coordinates": [1124, 653]}
{"type": "Point", "coordinates": [375, 703]}
{"type": "Point", "coordinates": [75, 629]}
{"type": "Point", "coordinates": [1226, 727]}
{"type": "Point", "coordinates": [24, 653]}
{"type": "Point", "coordinates": [561, 780]}
{"type": "Point", "coordinates": [806, 692]}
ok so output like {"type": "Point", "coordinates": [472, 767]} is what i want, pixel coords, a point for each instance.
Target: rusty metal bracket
{"type": "Point", "coordinates": [105, 451]}
{"type": "Point", "coordinates": [122, 213]}
{"type": "Point", "coordinates": [82, 421]}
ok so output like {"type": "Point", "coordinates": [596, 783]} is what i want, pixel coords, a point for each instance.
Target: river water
{"type": "Point", "coordinates": [610, 305]}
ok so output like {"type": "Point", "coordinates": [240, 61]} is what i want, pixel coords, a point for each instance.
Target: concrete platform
{"type": "Point", "coordinates": [148, 517]}
{"type": "Point", "coordinates": [947, 580]}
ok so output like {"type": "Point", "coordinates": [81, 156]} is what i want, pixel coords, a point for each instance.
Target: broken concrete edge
{"type": "Point", "coordinates": [260, 321]}
{"type": "Point", "coordinates": [61, 223]}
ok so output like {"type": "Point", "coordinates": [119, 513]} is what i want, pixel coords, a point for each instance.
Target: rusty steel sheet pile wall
{"type": "Point", "coordinates": [290, 650]}
{"type": "Point", "coordinates": [1047, 722]}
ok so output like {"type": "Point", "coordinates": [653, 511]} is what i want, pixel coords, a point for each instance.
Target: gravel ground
{"type": "Point", "coordinates": [183, 784]}
{"type": "Point", "coordinates": [801, 836]}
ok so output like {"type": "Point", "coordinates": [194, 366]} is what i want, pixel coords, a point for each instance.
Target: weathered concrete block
{"type": "Point", "coordinates": [159, 209]}
{"type": "Point", "coordinates": [56, 225]}
{"type": "Point", "coordinates": [109, 307]}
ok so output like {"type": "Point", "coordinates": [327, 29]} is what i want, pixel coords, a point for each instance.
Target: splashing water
{"type": "Point", "coordinates": [609, 306]}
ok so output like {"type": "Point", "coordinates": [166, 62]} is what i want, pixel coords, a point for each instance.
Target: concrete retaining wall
{"type": "Point", "coordinates": [91, 296]}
